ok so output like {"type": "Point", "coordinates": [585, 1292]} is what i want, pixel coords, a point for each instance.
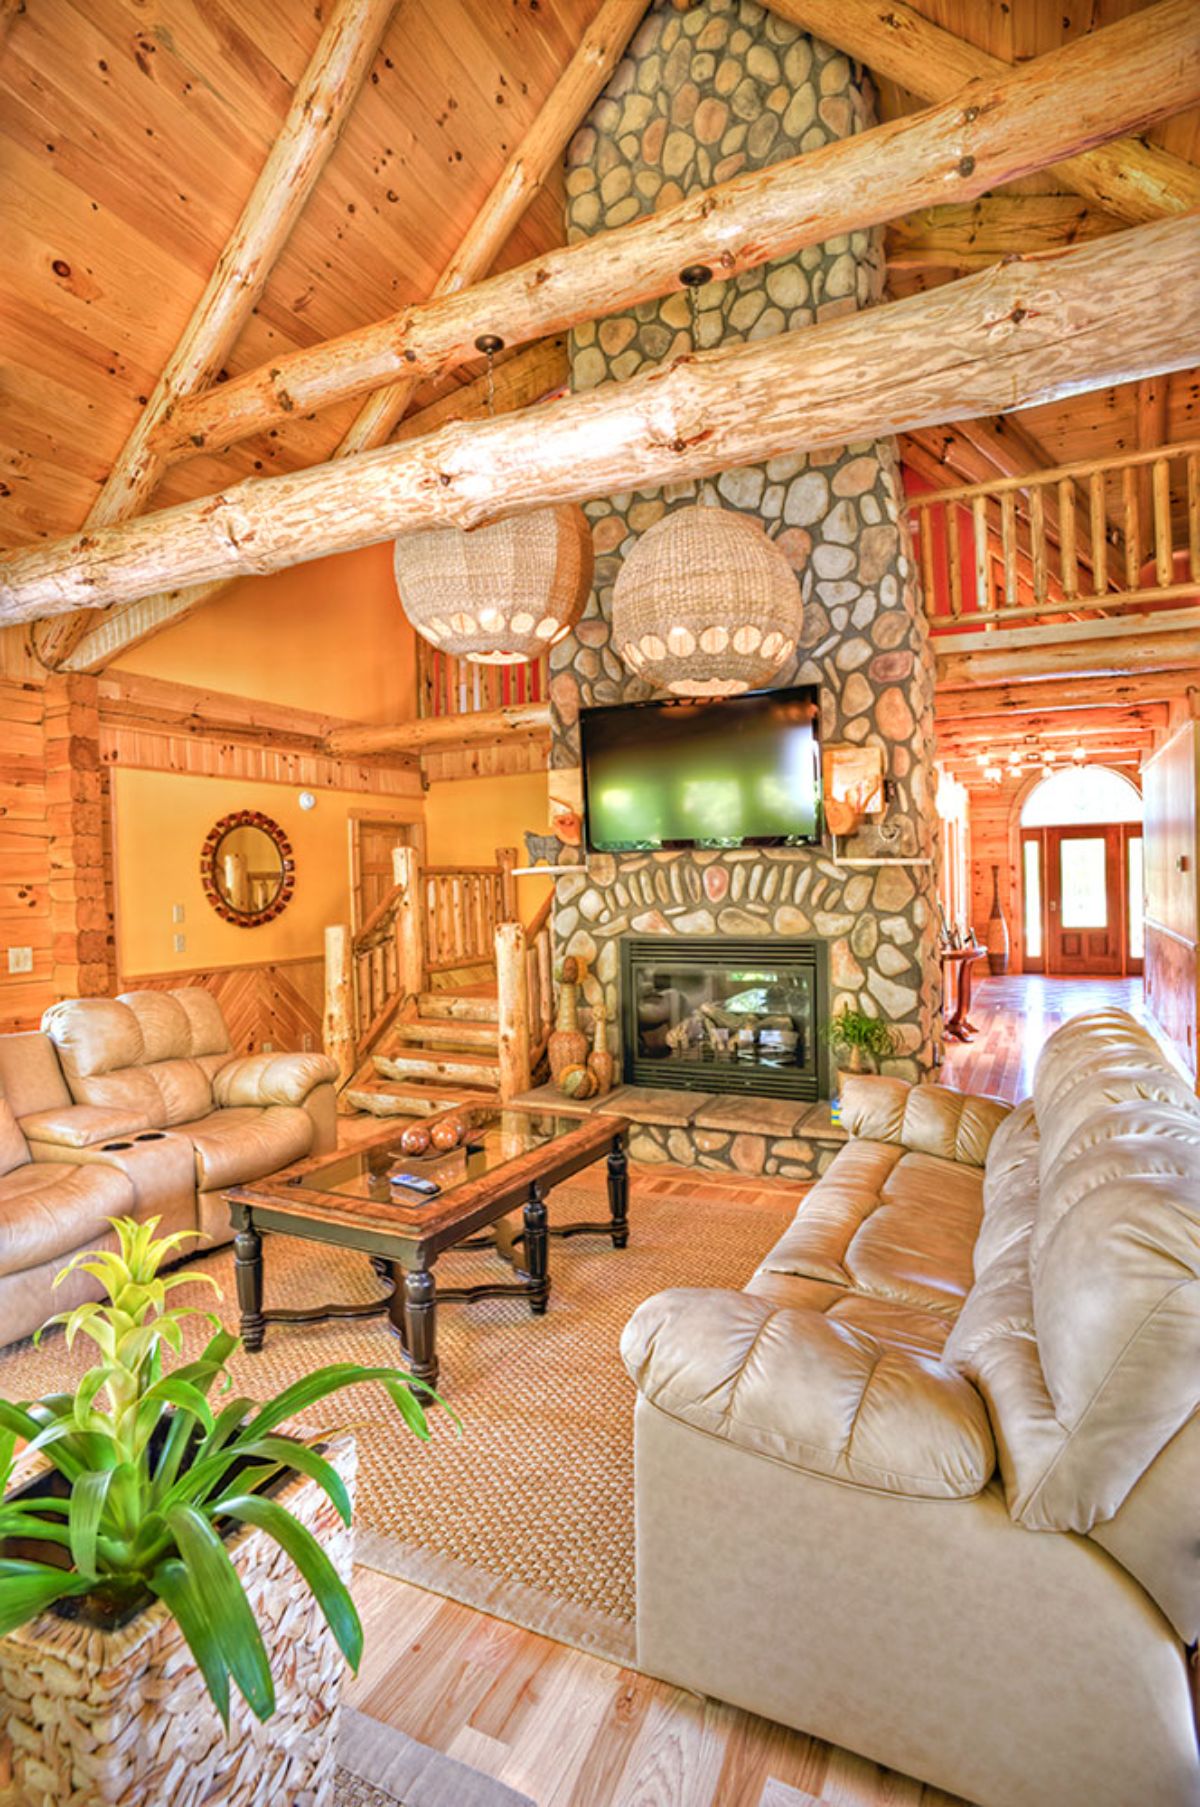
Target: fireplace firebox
{"type": "Point", "coordinates": [717, 1014]}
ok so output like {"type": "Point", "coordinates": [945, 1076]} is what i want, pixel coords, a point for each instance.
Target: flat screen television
{"type": "Point", "coordinates": [735, 772]}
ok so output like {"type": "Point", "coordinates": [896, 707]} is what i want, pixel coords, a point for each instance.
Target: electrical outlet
{"type": "Point", "coordinates": [306, 1042]}
{"type": "Point", "coordinates": [179, 943]}
{"type": "Point", "coordinates": [176, 912]}
{"type": "Point", "coordinates": [20, 959]}
{"type": "Point", "coordinates": [268, 1047]}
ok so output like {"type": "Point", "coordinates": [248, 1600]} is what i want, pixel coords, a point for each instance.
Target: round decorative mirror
{"type": "Point", "coordinates": [248, 868]}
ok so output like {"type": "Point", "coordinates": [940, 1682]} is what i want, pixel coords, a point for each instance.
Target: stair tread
{"type": "Point", "coordinates": [451, 1057]}
{"type": "Point", "coordinates": [451, 1030]}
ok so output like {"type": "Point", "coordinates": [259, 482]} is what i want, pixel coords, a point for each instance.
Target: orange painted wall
{"type": "Point", "coordinates": [162, 819]}
{"type": "Point", "coordinates": [329, 635]}
{"type": "Point", "coordinates": [466, 819]}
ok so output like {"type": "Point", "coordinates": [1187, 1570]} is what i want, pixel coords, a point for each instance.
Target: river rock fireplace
{"type": "Point", "coordinates": [719, 1014]}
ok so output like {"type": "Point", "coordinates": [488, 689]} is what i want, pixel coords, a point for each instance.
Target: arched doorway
{"type": "Point", "coordinates": [1081, 873]}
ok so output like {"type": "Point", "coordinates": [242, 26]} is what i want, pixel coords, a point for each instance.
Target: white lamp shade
{"type": "Point", "coordinates": [502, 593]}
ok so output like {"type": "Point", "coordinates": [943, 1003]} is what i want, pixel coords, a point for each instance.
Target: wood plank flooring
{"type": "Point", "coordinates": [1015, 1015]}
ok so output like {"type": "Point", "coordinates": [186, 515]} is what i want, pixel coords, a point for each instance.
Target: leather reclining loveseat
{"type": "Point", "coordinates": [930, 1486]}
{"type": "Point", "coordinates": [136, 1106]}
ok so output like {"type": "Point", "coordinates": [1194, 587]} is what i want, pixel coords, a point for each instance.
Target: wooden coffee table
{"type": "Point", "coordinates": [510, 1161]}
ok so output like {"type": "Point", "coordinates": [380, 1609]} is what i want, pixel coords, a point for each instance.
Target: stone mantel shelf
{"type": "Point", "coordinates": [737, 1112]}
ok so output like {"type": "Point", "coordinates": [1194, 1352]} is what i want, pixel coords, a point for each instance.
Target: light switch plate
{"type": "Point", "coordinates": [176, 912]}
{"type": "Point", "coordinates": [20, 959]}
{"type": "Point", "coordinates": [180, 943]}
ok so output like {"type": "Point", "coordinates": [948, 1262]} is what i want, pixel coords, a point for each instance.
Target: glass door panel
{"type": "Point", "coordinates": [1134, 892]}
{"type": "Point", "coordinates": [1083, 882]}
{"type": "Point", "coordinates": [1032, 874]}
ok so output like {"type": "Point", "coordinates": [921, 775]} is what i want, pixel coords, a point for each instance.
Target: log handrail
{"type": "Point", "coordinates": [985, 564]}
{"type": "Point", "coordinates": [383, 914]}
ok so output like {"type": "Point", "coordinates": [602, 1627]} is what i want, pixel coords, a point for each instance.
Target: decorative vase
{"type": "Point", "coordinates": [996, 938]}
{"type": "Point", "coordinates": [567, 1046]}
{"type": "Point", "coordinates": [122, 1718]}
{"type": "Point", "coordinates": [601, 1064]}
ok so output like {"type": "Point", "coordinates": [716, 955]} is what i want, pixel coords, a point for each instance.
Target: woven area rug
{"type": "Point", "coordinates": [529, 1513]}
{"type": "Point", "coordinates": [381, 1767]}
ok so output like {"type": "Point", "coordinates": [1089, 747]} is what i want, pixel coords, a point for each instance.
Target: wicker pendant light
{"type": "Point", "coordinates": [705, 604]}
{"type": "Point", "coordinates": [502, 593]}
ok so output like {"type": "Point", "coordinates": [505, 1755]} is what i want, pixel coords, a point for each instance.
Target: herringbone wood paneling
{"type": "Point", "coordinates": [277, 1005]}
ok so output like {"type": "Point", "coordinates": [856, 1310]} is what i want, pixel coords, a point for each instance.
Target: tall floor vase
{"type": "Point", "coordinates": [996, 938]}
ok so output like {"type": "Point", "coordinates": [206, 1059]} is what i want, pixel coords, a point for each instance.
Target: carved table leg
{"type": "Point", "coordinates": [618, 1193]}
{"type": "Point", "coordinates": [420, 1323]}
{"type": "Point", "coordinates": [536, 1242]}
{"type": "Point", "coordinates": [248, 1269]}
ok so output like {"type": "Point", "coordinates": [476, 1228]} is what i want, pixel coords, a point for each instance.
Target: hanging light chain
{"type": "Point", "coordinates": [489, 344]}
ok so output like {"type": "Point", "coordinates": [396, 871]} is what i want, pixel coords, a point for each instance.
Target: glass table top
{"type": "Point", "coordinates": [491, 1139]}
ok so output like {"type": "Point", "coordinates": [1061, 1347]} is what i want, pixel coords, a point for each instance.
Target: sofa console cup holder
{"type": "Point", "coordinates": [151, 1135]}
{"type": "Point", "coordinates": [113, 1147]}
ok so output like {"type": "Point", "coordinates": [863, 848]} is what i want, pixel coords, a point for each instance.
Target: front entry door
{"type": "Point", "coordinates": [1084, 900]}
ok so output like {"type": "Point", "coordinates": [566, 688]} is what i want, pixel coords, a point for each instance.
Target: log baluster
{"type": "Point", "coordinates": [1070, 557]}
{"type": "Point", "coordinates": [1193, 513]}
{"type": "Point", "coordinates": [1008, 546]}
{"type": "Point", "coordinates": [1099, 520]}
{"type": "Point", "coordinates": [1131, 517]}
{"type": "Point", "coordinates": [1037, 535]}
{"type": "Point", "coordinates": [1160, 484]}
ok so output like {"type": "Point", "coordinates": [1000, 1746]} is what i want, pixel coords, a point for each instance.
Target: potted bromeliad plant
{"type": "Point", "coordinates": [151, 1530]}
{"type": "Point", "coordinates": [863, 1039]}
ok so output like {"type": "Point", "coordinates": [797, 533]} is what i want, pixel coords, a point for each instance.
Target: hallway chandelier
{"type": "Point", "coordinates": [502, 593]}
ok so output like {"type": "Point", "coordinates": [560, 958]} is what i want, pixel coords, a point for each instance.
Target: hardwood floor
{"type": "Point", "coordinates": [1015, 1015]}
{"type": "Point", "coordinates": [572, 1730]}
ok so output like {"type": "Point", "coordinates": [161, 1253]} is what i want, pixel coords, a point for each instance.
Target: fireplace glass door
{"type": "Point", "coordinates": [717, 1015]}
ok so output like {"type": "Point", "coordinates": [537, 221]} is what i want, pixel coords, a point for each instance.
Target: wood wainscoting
{"type": "Point", "coordinates": [277, 1005]}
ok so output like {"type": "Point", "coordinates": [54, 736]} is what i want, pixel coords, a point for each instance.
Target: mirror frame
{"type": "Point", "coordinates": [247, 818]}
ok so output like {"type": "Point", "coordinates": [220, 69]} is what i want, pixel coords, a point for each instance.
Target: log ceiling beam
{"type": "Point", "coordinates": [1015, 336]}
{"type": "Point", "coordinates": [437, 733]}
{"type": "Point", "coordinates": [526, 171]}
{"type": "Point", "coordinates": [320, 106]}
{"type": "Point", "coordinates": [962, 707]}
{"type": "Point", "coordinates": [1127, 177]}
{"type": "Point", "coordinates": [521, 380]}
{"type": "Point", "coordinates": [1111, 81]}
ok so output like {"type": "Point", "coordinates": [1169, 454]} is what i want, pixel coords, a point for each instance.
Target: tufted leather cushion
{"type": "Point", "coordinates": [799, 1388]}
{"type": "Point", "coordinates": [209, 1034]}
{"type": "Point", "coordinates": [928, 1119]}
{"type": "Point", "coordinates": [889, 1224]}
{"type": "Point", "coordinates": [272, 1078]}
{"type": "Point", "coordinates": [14, 1151]}
{"type": "Point", "coordinates": [165, 1026]}
{"type": "Point", "coordinates": [52, 1210]}
{"type": "Point", "coordinates": [236, 1146]}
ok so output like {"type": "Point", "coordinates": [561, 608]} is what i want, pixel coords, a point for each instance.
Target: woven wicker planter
{"type": "Point", "coordinates": [100, 1718]}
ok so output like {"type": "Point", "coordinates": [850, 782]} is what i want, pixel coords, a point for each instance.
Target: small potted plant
{"type": "Point", "coordinates": [150, 1532]}
{"type": "Point", "coordinates": [865, 1039]}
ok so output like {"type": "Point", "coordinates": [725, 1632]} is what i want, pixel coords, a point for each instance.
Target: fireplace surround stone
{"type": "Point", "coordinates": [727, 85]}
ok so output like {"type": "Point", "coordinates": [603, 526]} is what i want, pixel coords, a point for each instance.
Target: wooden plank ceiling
{"type": "Point", "coordinates": [132, 132]}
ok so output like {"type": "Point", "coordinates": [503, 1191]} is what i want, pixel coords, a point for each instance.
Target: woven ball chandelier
{"type": "Point", "coordinates": [705, 604]}
{"type": "Point", "coordinates": [502, 593]}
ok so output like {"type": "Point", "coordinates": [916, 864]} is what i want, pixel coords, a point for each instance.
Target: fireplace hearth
{"type": "Point", "coordinates": [717, 1014]}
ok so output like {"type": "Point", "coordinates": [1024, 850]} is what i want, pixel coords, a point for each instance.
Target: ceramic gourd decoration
{"type": "Point", "coordinates": [576, 1082]}
{"type": "Point", "coordinates": [601, 1064]}
{"type": "Point", "coordinates": [567, 1046]}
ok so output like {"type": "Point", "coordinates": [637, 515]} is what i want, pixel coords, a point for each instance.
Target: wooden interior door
{"type": "Point", "coordinates": [372, 839]}
{"type": "Point", "coordinates": [1085, 903]}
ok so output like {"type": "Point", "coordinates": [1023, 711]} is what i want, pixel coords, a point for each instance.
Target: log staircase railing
{"type": "Point", "coordinates": [463, 906]}
{"type": "Point", "coordinates": [433, 919]}
{"type": "Point", "coordinates": [450, 686]}
{"type": "Point", "coordinates": [1102, 537]}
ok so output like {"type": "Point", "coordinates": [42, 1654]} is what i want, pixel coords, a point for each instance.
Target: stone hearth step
{"type": "Point", "coordinates": [717, 1131]}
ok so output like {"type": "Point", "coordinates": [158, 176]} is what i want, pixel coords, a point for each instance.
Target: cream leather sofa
{"type": "Point", "coordinates": [137, 1106]}
{"type": "Point", "coordinates": [930, 1486]}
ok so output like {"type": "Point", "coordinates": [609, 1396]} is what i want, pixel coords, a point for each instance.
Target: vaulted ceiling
{"type": "Point", "coordinates": [132, 131]}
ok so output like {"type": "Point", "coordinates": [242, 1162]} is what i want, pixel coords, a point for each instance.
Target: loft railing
{"type": "Point", "coordinates": [463, 906]}
{"type": "Point", "coordinates": [1088, 540]}
{"type": "Point", "coordinates": [450, 686]}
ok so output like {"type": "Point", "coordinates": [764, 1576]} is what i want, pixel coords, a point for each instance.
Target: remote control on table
{"type": "Point", "coordinates": [413, 1182]}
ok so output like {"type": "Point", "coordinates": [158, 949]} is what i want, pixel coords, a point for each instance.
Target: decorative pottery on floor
{"type": "Point", "coordinates": [502, 593]}
{"type": "Point", "coordinates": [567, 1046]}
{"type": "Point", "coordinates": [706, 605]}
{"type": "Point", "coordinates": [601, 1063]}
{"type": "Point", "coordinates": [996, 937]}
{"type": "Point", "coordinates": [123, 1719]}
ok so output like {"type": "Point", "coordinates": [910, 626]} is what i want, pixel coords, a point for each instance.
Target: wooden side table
{"type": "Point", "coordinates": [958, 970]}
